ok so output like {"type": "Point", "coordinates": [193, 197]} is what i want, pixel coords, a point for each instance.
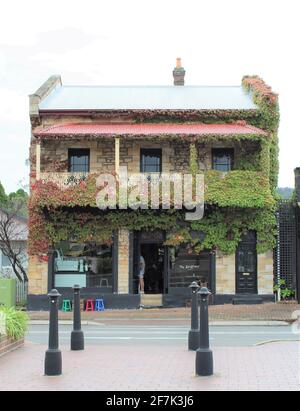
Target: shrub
{"type": "Point", "coordinates": [16, 323]}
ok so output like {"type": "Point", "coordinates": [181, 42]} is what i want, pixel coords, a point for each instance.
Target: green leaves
{"type": "Point", "coordinates": [223, 227]}
{"type": "Point", "coordinates": [246, 189]}
{"type": "Point", "coordinates": [16, 323]}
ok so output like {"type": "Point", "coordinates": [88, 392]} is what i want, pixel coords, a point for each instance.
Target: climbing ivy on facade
{"type": "Point", "coordinates": [241, 200]}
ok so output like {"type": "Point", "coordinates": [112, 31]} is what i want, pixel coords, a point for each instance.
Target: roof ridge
{"type": "Point", "coordinates": [148, 86]}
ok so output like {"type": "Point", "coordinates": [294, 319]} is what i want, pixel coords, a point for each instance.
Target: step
{"type": "Point", "coordinates": [247, 300]}
{"type": "Point", "coordinates": [152, 300]}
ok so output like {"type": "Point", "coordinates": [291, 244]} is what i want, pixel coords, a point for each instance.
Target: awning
{"type": "Point", "coordinates": [148, 129]}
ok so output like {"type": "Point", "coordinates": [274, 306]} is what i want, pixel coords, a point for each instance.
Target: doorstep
{"type": "Point", "coordinates": [151, 300]}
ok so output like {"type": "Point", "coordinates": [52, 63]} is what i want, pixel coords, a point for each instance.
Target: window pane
{"type": "Point", "coordinates": [151, 161]}
{"type": "Point", "coordinates": [90, 263]}
{"type": "Point", "coordinates": [250, 267]}
{"type": "Point", "coordinates": [223, 160]}
{"type": "Point", "coordinates": [186, 267]}
{"type": "Point", "coordinates": [79, 161]}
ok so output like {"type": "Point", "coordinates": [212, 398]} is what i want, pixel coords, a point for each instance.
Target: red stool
{"type": "Point", "coordinates": [90, 306]}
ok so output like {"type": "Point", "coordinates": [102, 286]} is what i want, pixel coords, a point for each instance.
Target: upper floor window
{"type": "Point", "coordinates": [223, 159]}
{"type": "Point", "coordinates": [151, 161]}
{"type": "Point", "coordinates": [79, 160]}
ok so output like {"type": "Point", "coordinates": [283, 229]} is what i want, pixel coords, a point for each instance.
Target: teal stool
{"type": "Point", "coordinates": [99, 305]}
{"type": "Point", "coordinates": [67, 306]}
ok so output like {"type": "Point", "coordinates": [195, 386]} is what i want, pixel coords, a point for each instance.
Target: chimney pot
{"type": "Point", "coordinates": [179, 73]}
{"type": "Point", "coordinates": [178, 63]}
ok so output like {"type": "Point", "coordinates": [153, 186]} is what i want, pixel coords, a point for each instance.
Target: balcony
{"type": "Point", "coordinates": [245, 189]}
{"type": "Point", "coordinates": [64, 180]}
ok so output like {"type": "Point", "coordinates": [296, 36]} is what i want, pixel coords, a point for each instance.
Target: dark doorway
{"type": "Point", "coordinates": [150, 245]}
{"type": "Point", "coordinates": [154, 256]}
{"type": "Point", "coordinates": [246, 265]}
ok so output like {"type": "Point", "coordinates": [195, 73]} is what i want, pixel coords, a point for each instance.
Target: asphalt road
{"type": "Point", "coordinates": [224, 336]}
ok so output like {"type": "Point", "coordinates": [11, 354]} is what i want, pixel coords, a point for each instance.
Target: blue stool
{"type": "Point", "coordinates": [99, 305]}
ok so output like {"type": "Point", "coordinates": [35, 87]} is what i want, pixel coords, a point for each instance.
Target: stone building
{"type": "Point", "coordinates": [226, 134]}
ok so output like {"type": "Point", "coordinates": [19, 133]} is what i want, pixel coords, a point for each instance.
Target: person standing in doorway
{"type": "Point", "coordinates": [142, 274]}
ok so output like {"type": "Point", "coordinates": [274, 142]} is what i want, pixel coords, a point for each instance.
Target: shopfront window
{"type": "Point", "coordinates": [186, 266]}
{"type": "Point", "coordinates": [89, 265]}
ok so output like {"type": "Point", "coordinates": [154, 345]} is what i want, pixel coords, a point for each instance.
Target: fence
{"type": "Point", "coordinates": [21, 292]}
{"type": "Point", "coordinates": [286, 251]}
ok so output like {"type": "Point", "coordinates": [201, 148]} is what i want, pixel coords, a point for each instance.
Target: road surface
{"type": "Point", "coordinates": [222, 336]}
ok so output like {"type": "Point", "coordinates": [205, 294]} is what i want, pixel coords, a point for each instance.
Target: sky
{"type": "Point", "coordinates": [132, 42]}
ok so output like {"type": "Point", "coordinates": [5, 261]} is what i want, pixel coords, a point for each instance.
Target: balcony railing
{"type": "Point", "coordinates": [64, 180]}
{"type": "Point", "coordinates": [232, 189]}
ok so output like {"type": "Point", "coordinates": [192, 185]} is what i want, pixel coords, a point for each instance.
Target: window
{"type": "Point", "coordinates": [151, 161]}
{"type": "Point", "coordinates": [223, 159]}
{"type": "Point", "coordinates": [5, 261]}
{"type": "Point", "coordinates": [88, 264]}
{"type": "Point", "coordinates": [79, 161]}
{"type": "Point", "coordinates": [186, 266]}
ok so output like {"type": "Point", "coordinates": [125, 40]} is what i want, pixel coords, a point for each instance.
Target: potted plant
{"type": "Point", "coordinates": [284, 293]}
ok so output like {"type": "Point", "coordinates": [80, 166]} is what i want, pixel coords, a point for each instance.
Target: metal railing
{"type": "Point", "coordinates": [64, 180]}
{"type": "Point", "coordinates": [21, 292]}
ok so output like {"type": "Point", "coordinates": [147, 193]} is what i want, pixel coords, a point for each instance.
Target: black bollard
{"type": "Point", "coordinates": [204, 356]}
{"type": "Point", "coordinates": [77, 337]}
{"type": "Point", "coordinates": [194, 342]}
{"type": "Point", "coordinates": [53, 360]}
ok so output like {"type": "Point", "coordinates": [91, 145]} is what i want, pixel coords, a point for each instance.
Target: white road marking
{"type": "Point", "coordinates": [134, 338]}
{"type": "Point", "coordinates": [168, 332]}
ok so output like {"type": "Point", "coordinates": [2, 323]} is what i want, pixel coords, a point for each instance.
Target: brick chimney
{"type": "Point", "coordinates": [179, 73]}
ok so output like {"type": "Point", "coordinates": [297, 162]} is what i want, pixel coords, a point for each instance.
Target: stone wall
{"type": "Point", "coordinates": [265, 273]}
{"type": "Point", "coordinates": [225, 274]}
{"type": "Point", "coordinates": [54, 155]}
{"type": "Point", "coordinates": [123, 262]}
{"type": "Point", "coordinates": [176, 155]}
{"type": "Point", "coordinates": [38, 276]}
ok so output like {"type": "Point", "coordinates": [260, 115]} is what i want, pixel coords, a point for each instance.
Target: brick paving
{"type": "Point", "coordinates": [7, 345]}
{"type": "Point", "coordinates": [265, 312]}
{"type": "Point", "coordinates": [272, 367]}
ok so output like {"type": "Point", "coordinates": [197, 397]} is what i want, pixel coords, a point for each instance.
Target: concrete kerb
{"type": "Point", "coordinates": [212, 323]}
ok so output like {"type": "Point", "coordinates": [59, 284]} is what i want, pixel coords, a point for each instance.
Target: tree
{"type": "Point", "coordinates": [13, 233]}
{"type": "Point", "coordinates": [20, 197]}
{"type": "Point", "coordinates": [285, 193]}
{"type": "Point", "coordinates": [3, 197]}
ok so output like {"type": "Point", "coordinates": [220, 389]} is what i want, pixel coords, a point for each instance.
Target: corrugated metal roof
{"type": "Point", "coordinates": [150, 129]}
{"type": "Point", "coordinates": [148, 98]}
